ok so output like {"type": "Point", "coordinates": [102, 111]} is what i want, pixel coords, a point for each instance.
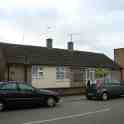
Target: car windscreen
{"type": "Point", "coordinates": [93, 84]}
{"type": "Point", "coordinates": [97, 83]}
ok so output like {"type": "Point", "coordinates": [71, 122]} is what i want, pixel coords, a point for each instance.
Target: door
{"type": "Point", "coordinates": [117, 87]}
{"type": "Point", "coordinates": [28, 94]}
{"type": "Point", "coordinates": [10, 92]}
{"type": "Point", "coordinates": [114, 88]}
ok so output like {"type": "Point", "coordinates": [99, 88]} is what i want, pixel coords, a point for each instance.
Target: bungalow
{"type": "Point", "coordinates": [47, 67]}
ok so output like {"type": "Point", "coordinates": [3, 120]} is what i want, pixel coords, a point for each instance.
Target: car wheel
{"type": "Point", "coordinates": [50, 102]}
{"type": "Point", "coordinates": [88, 97]}
{"type": "Point", "coordinates": [105, 96]}
{"type": "Point", "coordinates": [2, 106]}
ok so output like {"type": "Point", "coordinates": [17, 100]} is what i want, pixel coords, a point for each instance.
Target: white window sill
{"type": "Point", "coordinates": [59, 80]}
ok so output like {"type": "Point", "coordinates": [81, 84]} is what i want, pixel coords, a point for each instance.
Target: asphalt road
{"type": "Point", "coordinates": [72, 110]}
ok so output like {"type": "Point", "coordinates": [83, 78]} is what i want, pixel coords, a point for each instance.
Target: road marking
{"type": "Point", "coordinates": [68, 117]}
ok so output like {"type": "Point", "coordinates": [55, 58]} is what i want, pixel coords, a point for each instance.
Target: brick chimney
{"type": "Point", "coordinates": [70, 45]}
{"type": "Point", "coordinates": [49, 43]}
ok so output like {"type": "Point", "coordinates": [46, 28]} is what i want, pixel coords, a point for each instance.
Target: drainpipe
{"type": "Point", "coordinates": [8, 71]}
{"type": "Point", "coordinates": [25, 68]}
{"type": "Point", "coordinates": [121, 70]}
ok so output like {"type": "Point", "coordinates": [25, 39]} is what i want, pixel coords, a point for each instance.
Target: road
{"type": "Point", "coordinates": [72, 110]}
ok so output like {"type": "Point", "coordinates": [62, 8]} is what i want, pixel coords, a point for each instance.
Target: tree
{"type": "Point", "coordinates": [101, 72]}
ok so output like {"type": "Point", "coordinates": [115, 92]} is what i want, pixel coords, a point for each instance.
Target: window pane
{"type": "Point", "coordinates": [60, 72]}
{"type": "Point", "coordinates": [9, 87]}
{"type": "Point", "coordinates": [88, 75]}
{"type": "Point", "coordinates": [34, 69]}
{"type": "Point", "coordinates": [57, 68]}
{"type": "Point", "coordinates": [40, 68]}
{"type": "Point", "coordinates": [24, 87]}
{"type": "Point", "coordinates": [37, 72]}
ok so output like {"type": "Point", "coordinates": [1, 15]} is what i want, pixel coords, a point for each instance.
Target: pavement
{"type": "Point", "coordinates": [71, 110]}
{"type": "Point", "coordinates": [73, 98]}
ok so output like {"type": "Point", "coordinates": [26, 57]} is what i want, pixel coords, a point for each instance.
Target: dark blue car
{"type": "Point", "coordinates": [16, 93]}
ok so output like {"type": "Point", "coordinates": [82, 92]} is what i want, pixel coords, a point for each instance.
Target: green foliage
{"type": "Point", "coordinates": [100, 72]}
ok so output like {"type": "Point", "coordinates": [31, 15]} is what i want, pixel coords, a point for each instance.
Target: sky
{"type": "Point", "coordinates": [95, 25]}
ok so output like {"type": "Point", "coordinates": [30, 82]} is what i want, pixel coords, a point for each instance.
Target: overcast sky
{"type": "Point", "coordinates": [96, 25]}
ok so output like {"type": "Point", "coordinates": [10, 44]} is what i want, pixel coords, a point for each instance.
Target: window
{"type": "Point", "coordinates": [37, 72]}
{"type": "Point", "coordinates": [60, 72]}
{"type": "Point", "coordinates": [24, 87]}
{"type": "Point", "coordinates": [9, 87]}
{"type": "Point", "coordinates": [87, 74]}
{"type": "Point", "coordinates": [82, 74]}
{"type": "Point", "coordinates": [90, 74]}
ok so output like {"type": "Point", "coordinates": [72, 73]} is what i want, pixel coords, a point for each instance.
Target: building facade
{"type": "Point", "coordinates": [47, 67]}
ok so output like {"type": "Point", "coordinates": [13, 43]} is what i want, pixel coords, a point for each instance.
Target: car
{"type": "Point", "coordinates": [105, 89]}
{"type": "Point", "coordinates": [18, 93]}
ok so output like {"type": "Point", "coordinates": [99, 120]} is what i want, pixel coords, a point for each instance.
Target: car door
{"type": "Point", "coordinates": [115, 89]}
{"type": "Point", "coordinates": [10, 92]}
{"type": "Point", "coordinates": [28, 94]}
{"type": "Point", "coordinates": [122, 87]}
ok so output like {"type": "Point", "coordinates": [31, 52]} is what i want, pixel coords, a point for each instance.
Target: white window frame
{"type": "Point", "coordinates": [83, 74]}
{"type": "Point", "coordinates": [39, 74]}
{"type": "Point", "coordinates": [60, 73]}
{"type": "Point", "coordinates": [90, 74]}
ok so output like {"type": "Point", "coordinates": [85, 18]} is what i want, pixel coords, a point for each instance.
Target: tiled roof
{"type": "Point", "coordinates": [51, 56]}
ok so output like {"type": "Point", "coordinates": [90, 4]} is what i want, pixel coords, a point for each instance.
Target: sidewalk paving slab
{"type": "Point", "coordinates": [73, 98]}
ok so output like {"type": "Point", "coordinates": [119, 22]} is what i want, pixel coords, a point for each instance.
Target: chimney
{"type": "Point", "coordinates": [70, 45]}
{"type": "Point", "coordinates": [49, 43]}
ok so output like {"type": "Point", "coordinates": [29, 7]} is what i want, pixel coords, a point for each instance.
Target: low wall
{"type": "Point", "coordinates": [69, 91]}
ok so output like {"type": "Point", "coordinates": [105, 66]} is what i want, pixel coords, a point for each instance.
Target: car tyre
{"type": "Point", "coordinates": [105, 96]}
{"type": "Point", "coordinates": [2, 106]}
{"type": "Point", "coordinates": [50, 102]}
{"type": "Point", "coordinates": [88, 97]}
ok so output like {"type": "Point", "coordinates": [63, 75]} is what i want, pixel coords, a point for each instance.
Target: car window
{"type": "Point", "coordinates": [116, 82]}
{"type": "Point", "coordinates": [9, 87]}
{"type": "Point", "coordinates": [25, 87]}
